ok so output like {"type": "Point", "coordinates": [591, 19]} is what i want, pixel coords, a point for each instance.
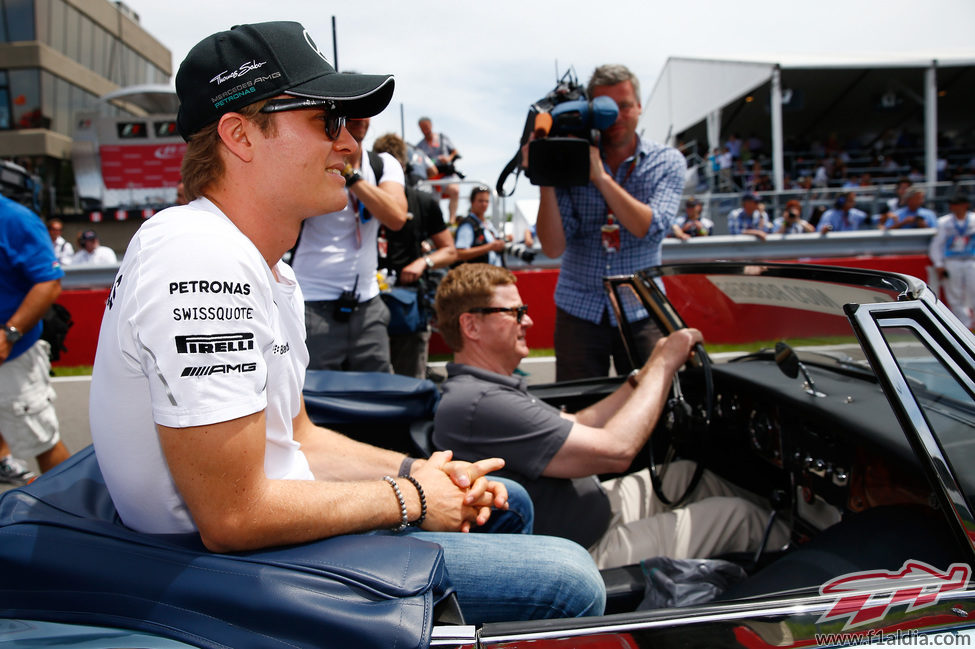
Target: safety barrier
{"type": "Point", "coordinates": [86, 287]}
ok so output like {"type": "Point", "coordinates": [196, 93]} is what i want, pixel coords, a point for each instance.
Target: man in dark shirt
{"type": "Point", "coordinates": [557, 455]}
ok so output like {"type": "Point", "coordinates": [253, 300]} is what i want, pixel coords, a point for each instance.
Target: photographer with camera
{"type": "Point", "coordinates": [477, 240]}
{"type": "Point", "coordinates": [613, 225]}
{"type": "Point", "coordinates": [441, 150]}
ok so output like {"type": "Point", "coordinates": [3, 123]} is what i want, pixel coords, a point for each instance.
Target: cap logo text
{"type": "Point", "coordinates": [247, 66]}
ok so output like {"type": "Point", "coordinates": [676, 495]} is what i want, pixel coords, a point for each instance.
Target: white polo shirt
{"type": "Point", "coordinates": [336, 248]}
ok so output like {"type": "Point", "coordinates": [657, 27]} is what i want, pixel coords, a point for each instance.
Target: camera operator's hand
{"type": "Point", "coordinates": [497, 245]}
{"type": "Point", "coordinates": [597, 172]}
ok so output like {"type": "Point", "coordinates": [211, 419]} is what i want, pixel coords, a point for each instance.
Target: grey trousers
{"type": "Point", "coordinates": [359, 345]}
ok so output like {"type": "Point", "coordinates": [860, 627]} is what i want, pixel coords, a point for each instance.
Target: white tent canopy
{"type": "Point", "coordinates": [689, 91]}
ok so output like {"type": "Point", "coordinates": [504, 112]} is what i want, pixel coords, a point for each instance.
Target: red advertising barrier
{"type": "Point", "coordinates": [86, 306]}
{"type": "Point", "coordinates": [537, 288]}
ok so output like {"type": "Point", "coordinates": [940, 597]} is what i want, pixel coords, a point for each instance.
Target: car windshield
{"type": "Point", "coordinates": [743, 309]}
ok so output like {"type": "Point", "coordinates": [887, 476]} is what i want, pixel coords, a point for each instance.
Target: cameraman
{"type": "Point", "coordinates": [614, 225]}
{"type": "Point", "coordinates": [477, 239]}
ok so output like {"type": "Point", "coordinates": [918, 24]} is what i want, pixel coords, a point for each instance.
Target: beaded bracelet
{"type": "Point", "coordinates": [404, 517]}
{"type": "Point", "coordinates": [423, 502]}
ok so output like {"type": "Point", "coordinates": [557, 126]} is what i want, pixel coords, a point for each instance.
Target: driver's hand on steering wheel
{"type": "Point", "coordinates": [675, 350]}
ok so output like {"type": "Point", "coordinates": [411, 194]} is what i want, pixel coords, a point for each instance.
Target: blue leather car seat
{"type": "Point", "coordinates": [66, 557]}
{"type": "Point", "coordinates": [371, 407]}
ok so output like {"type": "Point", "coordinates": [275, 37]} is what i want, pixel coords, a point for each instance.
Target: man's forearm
{"type": "Point", "coordinates": [633, 215]}
{"type": "Point", "coordinates": [34, 305]}
{"type": "Point", "coordinates": [466, 254]}
{"type": "Point", "coordinates": [383, 202]}
{"type": "Point", "coordinates": [333, 456]}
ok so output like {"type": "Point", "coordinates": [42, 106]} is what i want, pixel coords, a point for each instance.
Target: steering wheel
{"type": "Point", "coordinates": [679, 420]}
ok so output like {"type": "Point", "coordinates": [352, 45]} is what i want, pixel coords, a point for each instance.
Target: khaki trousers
{"type": "Point", "coordinates": [717, 518]}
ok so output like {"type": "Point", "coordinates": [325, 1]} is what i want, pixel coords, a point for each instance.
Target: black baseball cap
{"type": "Point", "coordinates": [229, 70]}
{"type": "Point", "coordinates": [958, 199]}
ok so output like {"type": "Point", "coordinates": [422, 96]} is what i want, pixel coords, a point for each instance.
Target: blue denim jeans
{"type": "Point", "coordinates": [519, 518]}
{"type": "Point", "coordinates": [505, 573]}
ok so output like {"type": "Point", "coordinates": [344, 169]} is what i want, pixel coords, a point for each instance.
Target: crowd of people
{"type": "Point", "coordinates": [743, 164]}
{"type": "Point", "coordinates": [906, 209]}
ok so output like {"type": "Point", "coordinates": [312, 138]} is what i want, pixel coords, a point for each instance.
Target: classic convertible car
{"type": "Point", "coordinates": [844, 397]}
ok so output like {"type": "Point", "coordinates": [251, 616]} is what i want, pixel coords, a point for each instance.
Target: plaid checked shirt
{"type": "Point", "coordinates": [657, 179]}
{"type": "Point", "coordinates": [738, 221]}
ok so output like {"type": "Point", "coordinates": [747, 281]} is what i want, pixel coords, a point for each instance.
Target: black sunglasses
{"type": "Point", "coordinates": [518, 311]}
{"type": "Point", "coordinates": [333, 123]}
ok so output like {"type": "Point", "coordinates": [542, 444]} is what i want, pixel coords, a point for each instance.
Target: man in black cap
{"type": "Point", "coordinates": [91, 251]}
{"type": "Point", "coordinates": [196, 407]}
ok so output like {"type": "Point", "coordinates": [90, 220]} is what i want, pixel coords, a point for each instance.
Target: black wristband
{"type": "Point", "coordinates": [423, 501]}
{"type": "Point", "coordinates": [405, 466]}
{"type": "Point", "coordinates": [352, 179]}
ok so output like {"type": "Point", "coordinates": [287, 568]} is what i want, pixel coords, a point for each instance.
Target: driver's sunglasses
{"type": "Point", "coordinates": [333, 123]}
{"type": "Point", "coordinates": [518, 311]}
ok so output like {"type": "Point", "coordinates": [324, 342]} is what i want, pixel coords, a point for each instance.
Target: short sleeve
{"type": "Point", "coordinates": [197, 319]}
{"type": "Point", "coordinates": [465, 236]}
{"type": "Point", "coordinates": [524, 431]}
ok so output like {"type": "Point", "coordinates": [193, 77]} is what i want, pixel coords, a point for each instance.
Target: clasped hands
{"type": "Point", "coordinates": [458, 493]}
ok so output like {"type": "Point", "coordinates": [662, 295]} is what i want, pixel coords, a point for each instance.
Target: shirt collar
{"type": "Point", "coordinates": [459, 369]}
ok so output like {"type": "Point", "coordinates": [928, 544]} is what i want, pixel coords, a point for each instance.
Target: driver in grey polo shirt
{"type": "Point", "coordinates": [557, 456]}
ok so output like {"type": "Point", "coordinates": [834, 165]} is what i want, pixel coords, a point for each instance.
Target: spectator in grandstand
{"type": "Point", "coordinates": [952, 251]}
{"type": "Point", "coordinates": [749, 218]}
{"type": "Point", "coordinates": [913, 214]}
{"type": "Point", "coordinates": [725, 164]}
{"type": "Point", "coordinates": [844, 216]}
{"type": "Point", "coordinates": [441, 150]}
{"type": "Point", "coordinates": [613, 225]}
{"type": "Point", "coordinates": [754, 144]}
{"type": "Point", "coordinates": [90, 251]}
{"type": "Point", "coordinates": [891, 205]}
{"type": "Point", "coordinates": [791, 221]}
{"type": "Point", "coordinates": [693, 224]}
{"type": "Point", "coordinates": [821, 175]}
{"type": "Point", "coordinates": [63, 250]}
{"type": "Point", "coordinates": [733, 145]}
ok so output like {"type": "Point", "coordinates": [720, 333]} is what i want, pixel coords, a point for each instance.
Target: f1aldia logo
{"type": "Point", "coordinates": [863, 597]}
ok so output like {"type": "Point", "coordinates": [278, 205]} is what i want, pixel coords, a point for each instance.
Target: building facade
{"type": "Point", "coordinates": [57, 57]}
